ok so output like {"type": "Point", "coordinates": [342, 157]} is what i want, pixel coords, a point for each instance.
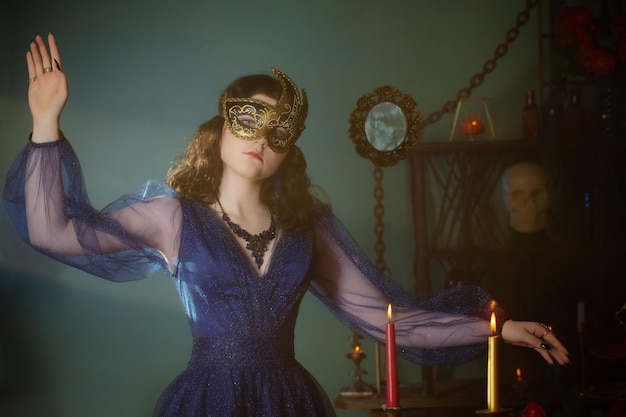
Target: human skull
{"type": "Point", "coordinates": [527, 188]}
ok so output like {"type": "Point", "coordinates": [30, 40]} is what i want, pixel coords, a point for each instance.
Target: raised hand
{"type": "Point", "coordinates": [47, 88]}
{"type": "Point", "coordinates": [536, 336]}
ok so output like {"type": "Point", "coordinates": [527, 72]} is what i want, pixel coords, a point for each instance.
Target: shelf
{"type": "Point", "coordinates": [426, 148]}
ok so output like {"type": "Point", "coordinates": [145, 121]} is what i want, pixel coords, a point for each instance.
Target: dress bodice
{"type": "Point", "coordinates": [222, 292]}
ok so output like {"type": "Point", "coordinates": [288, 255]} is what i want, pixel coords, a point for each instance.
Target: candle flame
{"type": "Point", "coordinates": [474, 122]}
{"type": "Point", "coordinates": [389, 312]}
{"type": "Point", "coordinates": [493, 322]}
{"type": "Point", "coordinates": [358, 348]}
{"type": "Point", "coordinates": [518, 373]}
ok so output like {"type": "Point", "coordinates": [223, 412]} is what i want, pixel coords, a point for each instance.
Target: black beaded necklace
{"type": "Point", "coordinates": [257, 244]}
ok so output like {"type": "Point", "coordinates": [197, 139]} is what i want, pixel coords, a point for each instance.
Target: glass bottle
{"type": "Point", "coordinates": [608, 114]}
{"type": "Point", "coordinates": [530, 117]}
{"type": "Point", "coordinates": [575, 118]}
{"type": "Point", "coordinates": [553, 115]}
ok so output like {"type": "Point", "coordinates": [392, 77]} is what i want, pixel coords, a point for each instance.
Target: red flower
{"type": "Point", "coordinates": [574, 24]}
{"type": "Point", "coordinates": [533, 410]}
{"type": "Point", "coordinates": [596, 59]}
{"type": "Point", "coordinates": [591, 46]}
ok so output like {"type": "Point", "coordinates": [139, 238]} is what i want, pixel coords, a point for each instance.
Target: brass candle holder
{"type": "Point", "coordinates": [500, 412]}
{"type": "Point", "coordinates": [358, 387]}
{"type": "Point", "coordinates": [392, 411]}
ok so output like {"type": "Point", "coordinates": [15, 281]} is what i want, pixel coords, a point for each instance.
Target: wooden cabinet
{"type": "Point", "coordinates": [462, 237]}
{"type": "Point", "coordinates": [462, 233]}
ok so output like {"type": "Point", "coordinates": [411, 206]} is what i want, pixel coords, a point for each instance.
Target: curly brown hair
{"type": "Point", "coordinates": [196, 174]}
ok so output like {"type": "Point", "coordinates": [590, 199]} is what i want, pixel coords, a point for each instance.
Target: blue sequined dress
{"type": "Point", "coordinates": [242, 322]}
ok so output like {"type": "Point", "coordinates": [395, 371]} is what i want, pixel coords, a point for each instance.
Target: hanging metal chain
{"type": "Point", "coordinates": [379, 213]}
{"type": "Point", "coordinates": [488, 66]}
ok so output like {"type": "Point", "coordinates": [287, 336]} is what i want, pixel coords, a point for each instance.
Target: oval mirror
{"type": "Point", "coordinates": [385, 126]}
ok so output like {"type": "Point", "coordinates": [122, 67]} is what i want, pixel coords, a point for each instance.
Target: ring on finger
{"type": "Point", "coordinates": [47, 69]}
{"type": "Point", "coordinates": [31, 79]}
{"type": "Point", "coordinates": [547, 329]}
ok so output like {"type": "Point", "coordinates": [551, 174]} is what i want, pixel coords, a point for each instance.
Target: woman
{"type": "Point", "coordinates": [243, 238]}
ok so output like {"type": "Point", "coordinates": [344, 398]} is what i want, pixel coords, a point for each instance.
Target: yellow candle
{"type": "Point", "coordinates": [493, 402]}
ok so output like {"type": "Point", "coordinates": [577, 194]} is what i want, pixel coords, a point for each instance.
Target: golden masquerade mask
{"type": "Point", "coordinates": [281, 124]}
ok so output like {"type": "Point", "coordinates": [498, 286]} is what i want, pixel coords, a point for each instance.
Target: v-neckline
{"type": "Point", "coordinates": [267, 260]}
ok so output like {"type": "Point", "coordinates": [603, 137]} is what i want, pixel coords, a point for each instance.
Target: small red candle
{"type": "Point", "coordinates": [472, 127]}
{"type": "Point", "coordinates": [392, 370]}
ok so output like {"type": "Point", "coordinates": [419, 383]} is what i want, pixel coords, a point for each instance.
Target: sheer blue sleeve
{"type": "Point", "coordinates": [46, 200]}
{"type": "Point", "coordinates": [447, 328]}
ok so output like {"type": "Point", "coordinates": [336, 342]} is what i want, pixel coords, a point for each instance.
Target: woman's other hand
{"type": "Point", "coordinates": [47, 88]}
{"type": "Point", "coordinates": [537, 336]}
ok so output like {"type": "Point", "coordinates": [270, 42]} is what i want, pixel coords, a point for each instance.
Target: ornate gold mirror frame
{"type": "Point", "coordinates": [385, 126]}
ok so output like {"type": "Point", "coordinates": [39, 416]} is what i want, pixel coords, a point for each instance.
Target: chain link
{"type": "Point", "coordinates": [379, 212]}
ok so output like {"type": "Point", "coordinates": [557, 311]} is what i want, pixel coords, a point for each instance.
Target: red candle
{"type": "Point", "coordinates": [392, 369]}
{"type": "Point", "coordinates": [472, 127]}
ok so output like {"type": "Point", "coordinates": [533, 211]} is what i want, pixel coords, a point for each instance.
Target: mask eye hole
{"type": "Point", "coordinates": [249, 121]}
{"type": "Point", "coordinates": [280, 133]}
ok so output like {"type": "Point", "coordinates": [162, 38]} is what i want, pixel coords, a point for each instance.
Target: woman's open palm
{"type": "Point", "coordinates": [47, 85]}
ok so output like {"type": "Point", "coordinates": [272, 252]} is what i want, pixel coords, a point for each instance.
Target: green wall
{"type": "Point", "coordinates": [143, 75]}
